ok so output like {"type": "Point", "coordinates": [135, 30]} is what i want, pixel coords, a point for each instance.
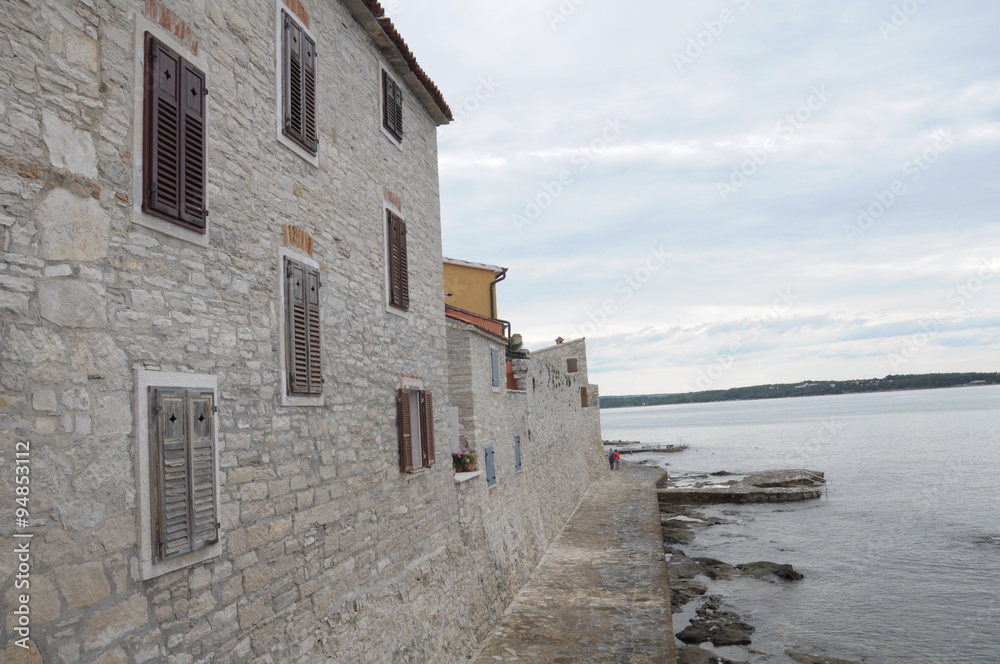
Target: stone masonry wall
{"type": "Point", "coordinates": [328, 552]}
{"type": "Point", "coordinates": [561, 455]}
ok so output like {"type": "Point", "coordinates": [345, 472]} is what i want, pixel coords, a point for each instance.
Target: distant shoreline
{"type": "Point", "coordinates": [808, 388]}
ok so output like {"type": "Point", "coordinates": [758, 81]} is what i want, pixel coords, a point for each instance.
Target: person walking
{"type": "Point", "coordinates": [611, 459]}
{"type": "Point", "coordinates": [616, 460]}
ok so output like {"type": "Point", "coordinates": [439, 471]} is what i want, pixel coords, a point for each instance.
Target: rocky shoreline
{"type": "Point", "coordinates": [715, 623]}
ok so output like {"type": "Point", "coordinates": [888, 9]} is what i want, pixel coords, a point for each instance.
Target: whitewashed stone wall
{"type": "Point", "coordinates": [329, 553]}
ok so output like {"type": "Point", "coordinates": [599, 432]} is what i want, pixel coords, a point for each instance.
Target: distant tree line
{"type": "Point", "coordinates": [808, 388]}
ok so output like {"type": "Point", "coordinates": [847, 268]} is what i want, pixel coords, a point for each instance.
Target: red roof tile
{"type": "Point", "coordinates": [489, 325]}
{"type": "Point", "coordinates": [386, 24]}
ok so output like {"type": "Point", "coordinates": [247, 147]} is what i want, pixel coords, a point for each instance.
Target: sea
{"type": "Point", "coordinates": [901, 557]}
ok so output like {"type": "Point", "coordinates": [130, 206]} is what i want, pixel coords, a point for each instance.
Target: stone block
{"type": "Point", "coordinates": [107, 626]}
{"type": "Point", "coordinates": [44, 400]}
{"type": "Point", "coordinates": [69, 147]}
{"type": "Point", "coordinates": [81, 514]}
{"type": "Point", "coordinates": [71, 303]}
{"type": "Point", "coordinates": [72, 228]}
{"type": "Point", "coordinates": [83, 585]}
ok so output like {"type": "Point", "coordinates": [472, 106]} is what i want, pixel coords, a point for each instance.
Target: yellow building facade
{"type": "Point", "coordinates": [472, 286]}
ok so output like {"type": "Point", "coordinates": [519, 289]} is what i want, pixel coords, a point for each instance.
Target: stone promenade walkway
{"type": "Point", "coordinates": [600, 593]}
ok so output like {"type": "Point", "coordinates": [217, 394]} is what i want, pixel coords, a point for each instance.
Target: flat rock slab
{"type": "Point", "coordinates": [600, 594]}
{"type": "Point", "coordinates": [776, 486]}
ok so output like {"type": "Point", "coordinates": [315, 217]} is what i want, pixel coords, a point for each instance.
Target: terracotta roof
{"type": "Point", "coordinates": [488, 325]}
{"type": "Point", "coordinates": [411, 61]}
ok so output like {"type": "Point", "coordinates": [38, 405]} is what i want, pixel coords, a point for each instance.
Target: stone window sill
{"type": "Point", "coordinates": [465, 477]}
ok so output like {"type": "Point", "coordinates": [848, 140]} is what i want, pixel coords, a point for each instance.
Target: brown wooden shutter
{"type": "Point", "coordinates": [162, 131]}
{"type": "Point", "coordinates": [202, 465]}
{"type": "Point", "coordinates": [193, 152]}
{"type": "Point", "coordinates": [405, 431]}
{"type": "Point", "coordinates": [302, 327]}
{"type": "Point", "coordinates": [298, 54]}
{"type": "Point", "coordinates": [312, 321]}
{"type": "Point", "coordinates": [584, 398]}
{"type": "Point", "coordinates": [310, 135]}
{"type": "Point", "coordinates": [175, 137]}
{"type": "Point", "coordinates": [427, 428]}
{"type": "Point", "coordinates": [392, 107]}
{"type": "Point", "coordinates": [399, 278]}
{"type": "Point", "coordinates": [172, 491]}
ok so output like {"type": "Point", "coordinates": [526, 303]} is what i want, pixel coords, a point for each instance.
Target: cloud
{"type": "Point", "coordinates": [871, 146]}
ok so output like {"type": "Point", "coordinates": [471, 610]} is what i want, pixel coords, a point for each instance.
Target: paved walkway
{"type": "Point", "coordinates": [600, 593]}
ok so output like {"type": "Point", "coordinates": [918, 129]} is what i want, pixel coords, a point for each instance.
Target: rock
{"type": "Point", "coordinates": [696, 655]}
{"type": "Point", "coordinates": [722, 628]}
{"type": "Point", "coordinates": [716, 569]}
{"type": "Point", "coordinates": [682, 592]}
{"type": "Point", "coordinates": [804, 658]}
{"type": "Point", "coordinates": [765, 571]}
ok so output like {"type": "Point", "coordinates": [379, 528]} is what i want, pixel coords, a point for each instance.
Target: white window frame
{"type": "Point", "coordinates": [286, 398]}
{"type": "Point", "coordinates": [279, 112]}
{"type": "Point", "coordinates": [139, 217]}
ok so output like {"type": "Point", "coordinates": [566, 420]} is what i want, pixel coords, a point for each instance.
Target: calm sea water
{"type": "Point", "coordinates": [901, 560]}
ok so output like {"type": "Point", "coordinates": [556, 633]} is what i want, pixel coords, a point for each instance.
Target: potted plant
{"type": "Point", "coordinates": [464, 460]}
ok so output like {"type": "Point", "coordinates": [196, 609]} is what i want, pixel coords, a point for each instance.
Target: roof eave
{"type": "Point", "coordinates": [371, 17]}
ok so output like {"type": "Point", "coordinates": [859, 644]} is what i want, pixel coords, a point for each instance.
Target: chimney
{"type": "Point", "coordinates": [559, 340]}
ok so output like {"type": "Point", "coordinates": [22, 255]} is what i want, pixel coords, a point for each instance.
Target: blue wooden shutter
{"type": "Point", "coordinates": [491, 477]}
{"type": "Point", "coordinates": [517, 453]}
{"type": "Point", "coordinates": [495, 362]}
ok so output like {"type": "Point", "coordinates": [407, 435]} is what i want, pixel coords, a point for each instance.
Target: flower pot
{"type": "Point", "coordinates": [469, 467]}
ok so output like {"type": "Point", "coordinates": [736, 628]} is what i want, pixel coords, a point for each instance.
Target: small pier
{"type": "Point", "coordinates": [776, 486]}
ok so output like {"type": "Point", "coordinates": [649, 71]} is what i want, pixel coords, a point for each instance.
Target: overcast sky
{"type": "Point", "coordinates": [731, 192]}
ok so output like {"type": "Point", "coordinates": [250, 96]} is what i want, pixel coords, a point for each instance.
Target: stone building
{"type": "Point", "coordinates": [571, 357]}
{"type": "Point", "coordinates": [223, 351]}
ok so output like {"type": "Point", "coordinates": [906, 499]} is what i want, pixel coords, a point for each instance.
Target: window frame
{"type": "Point", "coordinates": [285, 346]}
{"type": "Point", "coordinates": [397, 269]}
{"type": "Point", "coordinates": [425, 427]}
{"type": "Point", "coordinates": [391, 111]}
{"type": "Point", "coordinates": [191, 172]}
{"type": "Point", "coordinates": [290, 141]}
{"type": "Point", "coordinates": [139, 216]}
{"type": "Point", "coordinates": [151, 563]}
{"type": "Point", "coordinates": [495, 368]}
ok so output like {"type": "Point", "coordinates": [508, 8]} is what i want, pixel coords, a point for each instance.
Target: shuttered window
{"type": "Point", "coordinates": [517, 453]}
{"type": "Point", "coordinates": [174, 138]}
{"type": "Point", "coordinates": [584, 398]}
{"type": "Point", "coordinates": [392, 106]}
{"type": "Point", "coordinates": [415, 420]}
{"type": "Point", "coordinates": [302, 334]}
{"type": "Point", "coordinates": [298, 75]}
{"type": "Point", "coordinates": [399, 275]}
{"type": "Point", "coordinates": [572, 365]}
{"type": "Point", "coordinates": [495, 366]}
{"type": "Point", "coordinates": [184, 477]}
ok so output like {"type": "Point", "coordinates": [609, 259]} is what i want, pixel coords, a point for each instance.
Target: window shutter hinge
{"type": "Point", "coordinates": [157, 410]}
{"type": "Point", "coordinates": [152, 56]}
{"type": "Point", "coordinates": [215, 409]}
{"type": "Point", "coordinates": [151, 189]}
